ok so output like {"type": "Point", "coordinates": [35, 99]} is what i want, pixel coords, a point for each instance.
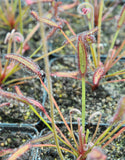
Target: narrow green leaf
{"type": "Point", "coordinates": [114, 137]}
{"type": "Point", "coordinates": [3, 17]}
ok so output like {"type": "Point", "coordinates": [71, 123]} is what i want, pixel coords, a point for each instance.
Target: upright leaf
{"type": "Point", "coordinates": [82, 56]}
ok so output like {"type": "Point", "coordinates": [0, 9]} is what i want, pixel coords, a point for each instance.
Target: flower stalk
{"type": "Point", "coordinates": [48, 79]}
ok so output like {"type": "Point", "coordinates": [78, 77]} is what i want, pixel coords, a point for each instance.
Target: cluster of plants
{"type": "Point", "coordinates": [87, 45]}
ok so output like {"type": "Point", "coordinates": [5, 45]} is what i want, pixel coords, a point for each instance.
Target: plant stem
{"type": "Point", "coordinates": [91, 15]}
{"type": "Point", "coordinates": [40, 8]}
{"type": "Point", "coordinates": [115, 136]}
{"type": "Point", "coordinates": [109, 135]}
{"type": "Point", "coordinates": [21, 23]}
{"type": "Point", "coordinates": [87, 135]}
{"type": "Point", "coordinates": [48, 54]}
{"type": "Point", "coordinates": [93, 55]}
{"type": "Point", "coordinates": [20, 14]}
{"type": "Point", "coordinates": [114, 39]}
{"type": "Point", "coordinates": [36, 51]}
{"type": "Point", "coordinates": [40, 117]}
{"type": "Point", "coordinates": [83, 103]}
{"type": "Point", "coordinates": [57, 107]}
{"type": "Point", "coordinates": [13, 70]}
{"type": "Point", "coordinates": [99, 28]}
{"type": "Point", "coordinates": [8, 52]}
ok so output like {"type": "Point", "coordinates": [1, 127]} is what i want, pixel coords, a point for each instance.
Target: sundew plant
{"type": "Point", "coordinates": [83, 146]}
{"type": "Point", "coordinates": [92, 39]}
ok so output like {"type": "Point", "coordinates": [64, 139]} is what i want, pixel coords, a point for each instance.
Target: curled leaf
{"type": "Point", "coordinates": [87, 36]}
{"type": "Point", "coordinates": [85, 11]}
{"type": "Point", "coordinates": [75, 110]}
{"type": "Point", "coordinates": [82, 9]}
{"type": "Point", "coordinates": [89, 39]}
{"type": "Point", "coordinates": [14, 36]}
{"type": "Point", "coordinates": [98, 75]}
{"type": "Point", "coordinates": [94, 115]}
